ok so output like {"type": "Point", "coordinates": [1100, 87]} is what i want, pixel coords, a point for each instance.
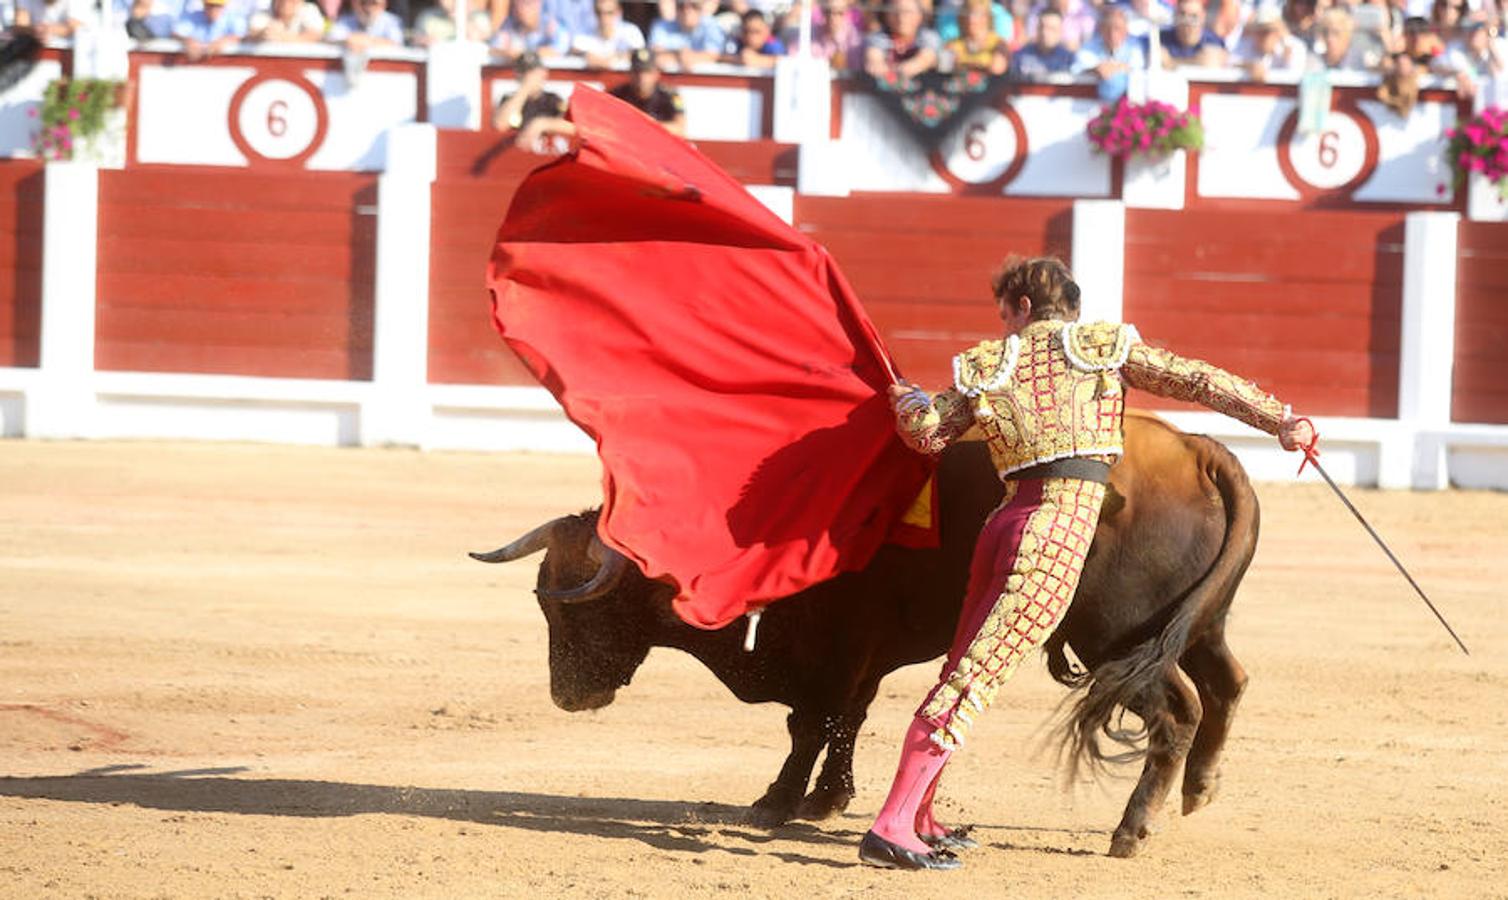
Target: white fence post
{"type": "Point", "coordinates": [1427, 348]}
{"type": "Point", "coordinates": [1099, 258]}
{"type": "Point", "coordinates": [60, 405]}
{"type": "Point", "coordinates": [396, 411]}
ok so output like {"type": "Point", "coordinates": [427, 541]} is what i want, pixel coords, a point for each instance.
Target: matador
{"type": "Point", "coordinates": [1048, 399]}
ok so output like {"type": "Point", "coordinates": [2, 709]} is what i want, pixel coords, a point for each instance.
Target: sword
{"type": "Point", "coordinates": [1311, 458]}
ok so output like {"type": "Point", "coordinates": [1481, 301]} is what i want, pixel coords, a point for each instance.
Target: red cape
{"type": "Point", "coordinates": [732, 382]}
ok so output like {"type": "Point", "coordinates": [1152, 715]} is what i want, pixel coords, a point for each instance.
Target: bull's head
{"type": "Point", "coordinates": [597, 606]}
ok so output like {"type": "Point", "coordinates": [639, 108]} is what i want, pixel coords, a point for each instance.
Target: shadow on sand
{"type": "Point", "coordinates": [664, 824]}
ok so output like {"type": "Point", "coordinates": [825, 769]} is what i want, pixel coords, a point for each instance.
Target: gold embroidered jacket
{"type": "Point", "coordinates": [1054, 391]}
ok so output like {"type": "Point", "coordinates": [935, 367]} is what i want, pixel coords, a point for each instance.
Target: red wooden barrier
{"type": "Point", "coordinates": [1306, 305]}
{"type": "Point", "coordinates": [477, 175]}
{"type": "Point", "coordinates": [20, 262]}
{"type": "Point", "coordinates": [210, 271]}
{"type": "Point", "coordinates": [922, 265]}
{"type": "Point", "coordinates": [1480, 391]}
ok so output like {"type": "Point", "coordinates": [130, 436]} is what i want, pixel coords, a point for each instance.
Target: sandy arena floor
{"type": "Point", "coordinates": [245, 671]}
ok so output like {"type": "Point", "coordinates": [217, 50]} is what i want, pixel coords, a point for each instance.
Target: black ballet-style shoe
{"type": "Point", "coordinates": [955, 839]}
{"type": "Point", "coordinates": [877, 851]}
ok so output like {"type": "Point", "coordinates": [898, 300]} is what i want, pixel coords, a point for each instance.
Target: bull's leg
{"type": "Point", "coordinates": [778, 805]}
{"type": "Point", "coordinates": [1171, 723]}
{"type": "Point", "coordinates": [1220, 680]}
{"type": "Point", "coordinates": [835, 788]}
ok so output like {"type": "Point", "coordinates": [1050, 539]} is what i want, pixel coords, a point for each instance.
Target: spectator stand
{"type": "Point", "coordinates": [292, 249]}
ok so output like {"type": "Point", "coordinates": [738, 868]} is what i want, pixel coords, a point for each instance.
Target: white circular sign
{"type": "Point", "coordinates": [278, 119]}
{"type": "Point", "coordinates": [982, 147]}
{"type": "Point", "coordinates": [1332, 157]}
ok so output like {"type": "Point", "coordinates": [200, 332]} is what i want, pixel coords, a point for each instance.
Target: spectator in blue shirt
{"type": "Point", "coordinates": [1111, 54]}
{"type": "Point", "coordinates": [528, 30]}
{"type": "Point", "coordinates": [757, 46]}
{"type": "Point", "coordinates": [367, 25]}
{"type": "Point", "coordinates": [1189, 42]}
{"type": "Point", "coordinates": [1046, 55]}
{"type": "Point", "coordinates": [572, 17]}
{"type": "Point", "coordinates": [690, 40]}
{"type": "Point", "coordinates": [210, 30]}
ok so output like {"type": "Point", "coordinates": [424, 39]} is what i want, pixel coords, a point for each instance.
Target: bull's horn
{"type": "Point", "coordinates": [533, 542]}
{"type": "Point", "coordinates": [608, 573]}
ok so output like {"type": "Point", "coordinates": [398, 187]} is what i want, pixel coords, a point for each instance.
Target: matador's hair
{"type": "Point", "coordinates": [1049, 284]}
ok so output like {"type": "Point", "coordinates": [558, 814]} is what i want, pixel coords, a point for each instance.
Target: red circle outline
{"type": "Point", "coordinates": [321, 121]}
{"type": "Point", "coordinates": [1371, 153]}
{"type": "Point", "coordinates": [996, 186]}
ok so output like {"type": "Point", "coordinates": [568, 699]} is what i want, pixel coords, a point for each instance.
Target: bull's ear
{"type": "Point", "coordinates": [533, 542]}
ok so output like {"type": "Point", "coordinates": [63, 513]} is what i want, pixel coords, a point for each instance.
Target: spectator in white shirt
{"type": "Point", "coordinates": [1476, 60]}
{"type": "Point", "coordinates": [288, 22]}
{"type": "Point", "coordinates": [55, 19]}
{"type": "Point", "coordinates": [612, 41]}
{"type": "Point", "coordinates": [1266, 47]}
{"type": "Point", "coordinates": [1337, 47]}
{"type": "Point", "coordinates": [437, 23]}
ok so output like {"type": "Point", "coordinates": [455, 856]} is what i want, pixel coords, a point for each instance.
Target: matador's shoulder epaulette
{"type": "Point", "coordinates": [986, 366]}
{"type": "Point", "coordinates": [1098, 346]}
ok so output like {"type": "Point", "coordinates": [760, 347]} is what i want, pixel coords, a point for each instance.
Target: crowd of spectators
{"type": "Point", "coordinates": [896, 39]}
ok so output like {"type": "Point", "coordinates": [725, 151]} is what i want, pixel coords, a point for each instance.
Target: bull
{"type": "Point", "coordinates": [1176, 534]}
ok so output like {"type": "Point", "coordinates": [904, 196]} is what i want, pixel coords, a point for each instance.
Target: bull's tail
{"type": "Point", "coordinates": [1134, 679]}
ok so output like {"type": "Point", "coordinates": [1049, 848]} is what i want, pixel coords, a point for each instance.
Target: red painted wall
{"type": "Point", "coordinates": [477, 175]}
{"type": "Point", "coordinates": [1307, 305]}
{"type": "Point", "coordinates": [216, 271]}
{"type": "Point", "coordinates": [20, 262]}
{"type": "Point", "coordinates": [1479, 387]}
{"type": "Point", "coordinates": [922, 265]}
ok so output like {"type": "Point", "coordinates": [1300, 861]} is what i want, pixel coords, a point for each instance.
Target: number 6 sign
{"type": "Point", "coordinates": [983, 154]}
{"type": "Point", "coordinates": [279, 120]}
{"type": "Point", "coordinates": [1333, 161]}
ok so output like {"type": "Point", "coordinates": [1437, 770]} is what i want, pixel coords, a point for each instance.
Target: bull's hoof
{"type": "Point", "coordinates": [1199, 799]}
{"type": "Point", "coordinates": [1197, 796]}
{"type": "Point", "coordinates": [824, 803]}
{"type": "Point", "coordinates": [1125, 846]}
{"type": "Point", "coordinates": [776, 807]}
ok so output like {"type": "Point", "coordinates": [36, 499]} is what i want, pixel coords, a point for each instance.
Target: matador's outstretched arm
{"type": "Point", "coordinates": [1167, 374]}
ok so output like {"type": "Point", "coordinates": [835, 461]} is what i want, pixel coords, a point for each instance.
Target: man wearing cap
{"type": "Point", "coordinates": [531, 101]}
{"type": "Point", "coordinates": [210, 30]}
{"type": "Point", "coordinates": [644, 92]}
{"type": "Point", "coordinates": [1266, 47]}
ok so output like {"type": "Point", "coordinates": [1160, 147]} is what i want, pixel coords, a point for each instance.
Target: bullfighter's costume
{"type": "Point", "coordinates": [1049, 404]}
{"type": "Point", "coordinates": [1049, 401]}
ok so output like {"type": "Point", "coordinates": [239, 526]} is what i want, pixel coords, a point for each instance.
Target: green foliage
{"type": "Point", "coordinates": [72, 111]}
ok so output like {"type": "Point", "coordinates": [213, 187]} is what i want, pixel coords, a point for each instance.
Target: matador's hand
{"type": "Point", "coordinates": [906, 397]}
{"type": "Point", "coordinates": [1296, 432]}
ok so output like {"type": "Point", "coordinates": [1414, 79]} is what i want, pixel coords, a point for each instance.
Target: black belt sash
{"type": "Point", "coordinates": [1072, 467]}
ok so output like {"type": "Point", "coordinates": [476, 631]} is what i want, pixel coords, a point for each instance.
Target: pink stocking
{"type": "Point", "coordinates": [926, 825]}
{"type": "Point", "coordinates": [921, 763]}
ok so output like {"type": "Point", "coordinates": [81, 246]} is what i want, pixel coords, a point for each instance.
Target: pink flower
{"type": "Point", "coordinates": [32, 112]}
{"type": "Point", "coordinates": [73, 113]}
{"type": "Point", "coordinates": [1478, 164]}
{"type": "Point", "coordinates": [1476, 134]}
{"type": "Point", "coordinates": [1439, 190]}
